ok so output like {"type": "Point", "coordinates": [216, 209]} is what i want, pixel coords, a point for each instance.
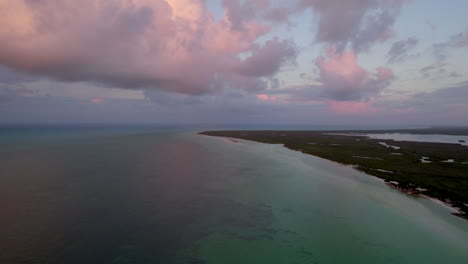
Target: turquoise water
{"type": "Point", "coordinates": [146, 196]}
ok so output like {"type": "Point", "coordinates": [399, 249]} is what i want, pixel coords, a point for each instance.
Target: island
{"type": "Point", "coordinates": [434, 170]}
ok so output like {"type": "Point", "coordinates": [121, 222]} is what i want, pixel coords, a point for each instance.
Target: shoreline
{"type": "Point", "coordinates": [442, 203]}
{"type": "Point", "coordinates": [456, 211]}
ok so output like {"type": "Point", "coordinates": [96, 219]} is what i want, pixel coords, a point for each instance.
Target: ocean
{"type": "Point", "coordinates": [94, 195]}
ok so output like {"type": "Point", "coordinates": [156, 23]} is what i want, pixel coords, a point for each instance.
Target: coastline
{"type": "Point", "coordinates": [454, 210]}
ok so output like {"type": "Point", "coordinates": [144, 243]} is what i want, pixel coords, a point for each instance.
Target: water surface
{"type": "Point", "coordinates": [160, 196]}
{"type": "Point", "coordinates": [451, 139]}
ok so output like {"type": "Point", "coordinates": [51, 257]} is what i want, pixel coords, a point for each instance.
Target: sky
{"type": "Point", "coordinates": [303, 62]}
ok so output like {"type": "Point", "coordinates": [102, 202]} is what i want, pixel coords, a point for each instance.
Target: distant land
{"type": "Point", "coordinates": [437, 170]}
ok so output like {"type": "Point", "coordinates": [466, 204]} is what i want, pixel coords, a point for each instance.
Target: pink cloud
{"type": "Point", "coordinates": [384, 73]}
{"type": "Point", "coordinates": [266, 98]}
{"type": "Point", "coordinates": [344, 80]}
{"type": "Point", "coordinates": [96, 100]}
{"type": "Point", "coordinates": [353, 108]}
{"type": "Point", "coordinates": [386, 35]}
{"type": "Point", "coordinates": [179, 46]}
{"type": "Point", "coordinates": [342, 67]}
{"type": "Point", "coordinates": [173, 45]}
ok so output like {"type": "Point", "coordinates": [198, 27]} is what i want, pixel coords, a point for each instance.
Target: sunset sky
{"type": "Point", "coordinates": [321, 62]}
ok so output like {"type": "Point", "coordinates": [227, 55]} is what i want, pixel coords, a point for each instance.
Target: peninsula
{"type": "Point", "coordinates": [438, 170]}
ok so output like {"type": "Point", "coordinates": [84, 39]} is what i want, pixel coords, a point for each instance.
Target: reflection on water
{"type": "Point", "coordinates": [167, 197]}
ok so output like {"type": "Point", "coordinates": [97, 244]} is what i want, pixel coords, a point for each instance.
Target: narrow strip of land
{"type": "Point", "coordinates": [411, 167]}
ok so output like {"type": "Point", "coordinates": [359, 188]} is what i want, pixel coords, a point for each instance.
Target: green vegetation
{"type": "Point", "coordinates": [447, 181]}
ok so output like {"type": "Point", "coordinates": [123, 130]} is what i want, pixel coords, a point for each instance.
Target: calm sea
{"type": "Point", "coordinates": [94, 195]}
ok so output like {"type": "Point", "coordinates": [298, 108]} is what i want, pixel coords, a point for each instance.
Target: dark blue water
{"type": "Point", "coordinates": [94, 195]}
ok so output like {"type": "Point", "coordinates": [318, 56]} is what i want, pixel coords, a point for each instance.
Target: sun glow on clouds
{"type": "Point", "coordinates": [384, 74]}
{"type": "Point", "coordinates": [96, 100]}
{"type": "Point", "coordinates": [266, 98]}
{"type": "Point", "coordinates": [341, 68]}
{"type": "Point", "coordinates": [353, 108]}
{"type": "Point", "coordinates": [173, 45]}
{"type": "Point", "coordinates": [177, 52]}
{"type": "Point", "coordinates": [344, 80]}
{"type": "Point", "coordinates": [365, 108]}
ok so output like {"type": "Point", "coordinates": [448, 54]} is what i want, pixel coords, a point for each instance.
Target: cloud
{"type": "Point", "coordinates": [96, 100]}
{"type": "Point", "coordinates": [431, 25]}
{"type": "Point", "coordinates": [298, 94]}
{"type": "Point", "coordinates": [340, 74]}
{"type": "Point", "coordinates": [274, 83]}
{"type": "Point", "coordinates": [173, 45]}
{"type": "Point", "coordinates": [436, 68]}
{"type": "Point", "coordinates": [266, 60]}
{"type": "Point", "coordinates": [266, 98]}
{"type": "Point", "coordinates": [384, 74]}
{"type": "Point", "coordinates": [340, 79]}
{"type": "Point", "coordinates": [437, 65]}
{"type": "Point", "coordinates": [240, 12]}
{"type": "Point", "coordinates": [278, 14]}
{"type": "Point", "coordinates": [344, 80]}
{"type": "Point", "coordinates": [444, 106]}
{"type": "Point", "coordinates": [456, 41]}
{"type": "Point", "coordinates": [456, 94]}
{"type": "Point", "coordinates": [9, 92]}
{"type": "Point", "coordinates": [353, 108]}
{"type": "Point", "coordinates": [354, 23]}
{"type": "Point", "coordinates": [312, 96]}
{"type": "Point", "coordinates": [377, 29]}
{"type": "Point", "coordinates": [455, 75]}
{"type": "Point", "coordinates": [226, 106]}
{"type": "Point", "coordinates": [166, 98]}
{"type": "Point", "coordinates": [10, 76]}
{"type": "Point", "coordinates": [447, 105]}
{"type": "Point", "coordinates": [349, 28]}
{"type": "Point", "coordinates": [399, 51]}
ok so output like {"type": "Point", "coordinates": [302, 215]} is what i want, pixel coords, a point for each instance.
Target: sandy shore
{"type": "Point", "coordinates": [435, 200]}
{"type": "Point", "coordinates": [454, 210]}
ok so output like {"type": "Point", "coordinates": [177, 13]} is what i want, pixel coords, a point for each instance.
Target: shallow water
{"type": "Point", "coordinates": [146, 196]}
{"type": "Point", "coordinates": [453, 139]}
